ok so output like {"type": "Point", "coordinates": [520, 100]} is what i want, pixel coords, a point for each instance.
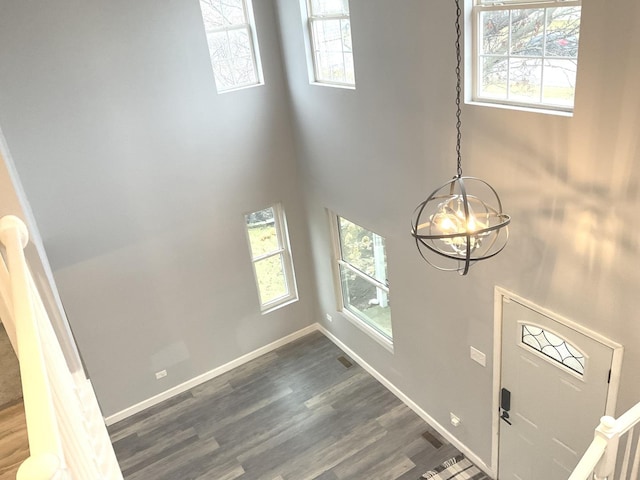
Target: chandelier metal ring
{"type": "Point", "coordinates": [461, 220]}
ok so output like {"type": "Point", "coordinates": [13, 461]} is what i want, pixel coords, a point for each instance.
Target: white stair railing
{"type": "Point", "coordinates": [68, 439]}
{"type": "Point", "coordinates": [600, 460]}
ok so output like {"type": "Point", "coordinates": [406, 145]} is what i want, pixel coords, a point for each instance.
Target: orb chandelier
{"type": "Point", "coordinates": [462, 221]}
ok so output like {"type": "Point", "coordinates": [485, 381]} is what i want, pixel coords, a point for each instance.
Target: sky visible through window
{"type": "Point", "coordinates": [528, 55]}
{"type": "Point", "coordinates": [230, 42]}
{"type": "Point", "coordinates": [330, 26]}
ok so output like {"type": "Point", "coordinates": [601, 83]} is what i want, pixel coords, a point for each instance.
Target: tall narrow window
{"type": "Point", "coordinates": [271, 256]}
{"type": "Point", "coordinates": [527, 52]}
{"type": "Point", "coordinates": [232, 43]}
{"type": "Point", "coordinates": [330, 32]}
{"type": "Point", "coordinates": [362, 263]}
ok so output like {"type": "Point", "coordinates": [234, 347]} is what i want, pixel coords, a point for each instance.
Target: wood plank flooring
{"type": "Point", "coordinates": [297, 413]}
{"type": "Point", "coordinates": [14, 445]}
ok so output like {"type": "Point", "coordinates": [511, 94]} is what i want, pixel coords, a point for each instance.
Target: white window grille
{"type": "Point", "coordinates": [330, 34]}
{"type": "Point", "coordinates": [233, 45]}
{"type": "Point", "coordinates": [271, 257]}
{"type": "Point", "coordinates": [526, 52]}
{"type": "Point", "coordinates": [362, 268]}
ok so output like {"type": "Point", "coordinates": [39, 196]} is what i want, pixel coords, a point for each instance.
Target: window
{"type": "Point", "coordinates": [553, 347]}
{"type": "Point", "coordinates": [362, 266]}
{"type": "Point", "coordinates": [527, 52]}
{"type": "Point", "coordinates": [330, 33]}
{"type": "Point", "coordinates": [232, 43]}
{"type": "Point", "coordinates": [271, 256]}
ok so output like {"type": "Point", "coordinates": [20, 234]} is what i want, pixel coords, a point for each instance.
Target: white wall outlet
{"type": "Point", "coordinates": [329, 318]}
{"type": "Point", "coordinates": [478, 356]}
{"type": "Point", "coordinates": [455, 420]}
{"type": "Point", "coordinates": [161, 374]}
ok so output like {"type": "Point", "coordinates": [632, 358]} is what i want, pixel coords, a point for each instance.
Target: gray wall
{"type": "Point", "coordinates": [139, 174]}
{"type": "Point", "coordinates": [570, 184]}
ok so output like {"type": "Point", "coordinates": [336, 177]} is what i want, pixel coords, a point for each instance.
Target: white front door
{"type": "Point", "coordinates": [556, 380]}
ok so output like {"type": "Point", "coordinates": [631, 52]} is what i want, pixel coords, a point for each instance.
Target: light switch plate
{"type": "Point", "coordinates": [478, 356]}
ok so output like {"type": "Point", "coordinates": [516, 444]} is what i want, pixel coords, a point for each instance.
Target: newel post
{"type": "Point", "coordinates": [609, 431]}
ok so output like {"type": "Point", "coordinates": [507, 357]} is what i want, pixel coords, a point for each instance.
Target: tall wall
{"type": "Point", "coordinates": [571, 185]}
{"type": "Point", "coordinates": [139, 173]}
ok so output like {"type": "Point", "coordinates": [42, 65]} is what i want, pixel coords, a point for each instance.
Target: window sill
{"type": "Point", "coordinates": [332, 85]}
{"type": "Point", "coordinates": [244, 87]}
{"type": "Point", "coordinates": [522, 108]}
{"type": "Point", "coordinates": [372, 332]}
{"type": "Point", "coordinates": [283, 303]}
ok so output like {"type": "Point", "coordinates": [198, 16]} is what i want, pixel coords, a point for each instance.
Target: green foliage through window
{"type": "Point", "coordinates": [271, 258]}
{"type": "Point", "coordinates": [363, 276]}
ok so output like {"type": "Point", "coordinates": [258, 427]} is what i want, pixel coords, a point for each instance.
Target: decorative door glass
{"type": "Point", "coordinates": [553, 347]}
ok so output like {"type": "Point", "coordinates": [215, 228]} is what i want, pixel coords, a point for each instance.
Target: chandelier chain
{"type": "Point", "coordinates": [462, 221]}
{"type": "Point", "coordinates": [458, 88]}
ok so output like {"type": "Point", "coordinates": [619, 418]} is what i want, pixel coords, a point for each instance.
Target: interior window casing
{"type": "Point", "coordinates": [362, 287]}
{"type": "Point", "coordinates": [530, 59]}
{"type": "Point", "coordinates": [270, 251]}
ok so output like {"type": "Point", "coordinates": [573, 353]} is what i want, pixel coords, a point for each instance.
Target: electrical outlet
{"type": "Point", "coordinates": [478, 356]}
{"type": "Point", "coordinates": [455, 420]}
{"type": "Point", "coordinates": [329, 318]}
{"type": "Point", "coordinates": [161, 374]}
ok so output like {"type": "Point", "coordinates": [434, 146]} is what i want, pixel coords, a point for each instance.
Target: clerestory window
{"type": "Point", "coordinates": [526, 52]}
{"type": "Point", "coordinates": [330, 38]}
{"type": "Point", "coordinates": [233, 46]}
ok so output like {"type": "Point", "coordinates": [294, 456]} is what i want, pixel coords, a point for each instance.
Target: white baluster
{"type": "Point", "coordinates": [636, 460]}
{"type": "Point", "coordinates": [627, 455]}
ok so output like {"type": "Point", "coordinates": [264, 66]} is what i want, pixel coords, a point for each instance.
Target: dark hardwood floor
{"type": "Point", "coordinates": [14, 444]}
{"type": "Point", "coordinates": [299, 412]}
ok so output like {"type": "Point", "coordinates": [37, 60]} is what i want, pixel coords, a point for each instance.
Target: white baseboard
{"type": "Point", "coordinates": [183, 387]}
{"type": "Point", "coordinates": [410, 403]}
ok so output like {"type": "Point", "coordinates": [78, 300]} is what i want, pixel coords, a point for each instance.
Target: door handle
{"type": "Point", "coordinates": [505, 405]}
{"type": "Point", "coordinates": [505, 416]}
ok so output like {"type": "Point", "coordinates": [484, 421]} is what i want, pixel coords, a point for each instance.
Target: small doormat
{"type": "Point", "coordinates": [456, 468]}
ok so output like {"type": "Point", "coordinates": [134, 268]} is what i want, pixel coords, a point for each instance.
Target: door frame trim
{"type": "Point", "coordinates": [616, 361]}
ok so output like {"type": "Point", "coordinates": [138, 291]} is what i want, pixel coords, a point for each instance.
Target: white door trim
{"type": "Point", "coordinates": [616, 362]}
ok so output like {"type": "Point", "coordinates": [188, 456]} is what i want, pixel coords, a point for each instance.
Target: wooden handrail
{"type": "Point", "coordinates": [629, 419]}
{"type": "Point", "coordinates": [589, 460]}
{"type": "Point", "coordinates": [599, 461]}
{"type": "Point", "coordinates": [47, 459]}
{"type": "Point", "coordinates": [68, 439]}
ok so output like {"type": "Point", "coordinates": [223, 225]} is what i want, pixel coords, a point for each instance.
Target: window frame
{"type": "Point", "coordinates": [250, 28]}
{"type": "Point", "coordinates": [479, 6]}
{"type": "Point", "coordinates": [338, 262]}
{"type": "Point", "coordinates": [312, 18]}
{"type": "Point", "coordinates": [284, 251]}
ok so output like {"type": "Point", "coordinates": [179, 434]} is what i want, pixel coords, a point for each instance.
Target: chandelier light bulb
{"type": "Point", "coordinates": [458, 225]}
{"type": "Point", "coordinates": [462, 221]}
